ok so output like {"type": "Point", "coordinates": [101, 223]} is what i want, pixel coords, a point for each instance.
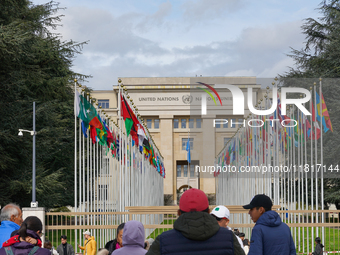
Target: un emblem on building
{"type": "Point", "coordinates": [187, 99]}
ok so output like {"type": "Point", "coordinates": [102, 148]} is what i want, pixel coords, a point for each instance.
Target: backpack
{"type": "Point", "coordinates": [10, 252]}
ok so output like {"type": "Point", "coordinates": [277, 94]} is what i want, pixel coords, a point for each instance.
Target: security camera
{"type": "Point", "coordinates": [20, 133]}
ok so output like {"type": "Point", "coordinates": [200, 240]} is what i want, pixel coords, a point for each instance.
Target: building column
{"type": "Point", "coordinates": [207, 180]}
{"type": "Point", "coordinates": [166, 146]}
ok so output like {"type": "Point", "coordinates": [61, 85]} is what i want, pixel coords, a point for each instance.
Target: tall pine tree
{"type": "Point", "coordinates": [35, 65]}
{"type": "Point", "coordinates": [320, 57]}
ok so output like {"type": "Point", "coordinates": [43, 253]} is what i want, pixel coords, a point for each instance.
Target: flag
{"type": "Point", "coordinates": [124, 112]}
{"type": "Point", "coordinates": [88, 113]}
{"type": "Point", "coordinates": [76, 103]}
{"type": "Point", "coordinates": [318, 114]}
{"type": "Point", "coordinates": [130, 119]}
{"type": "Point", "coordinates": [84, 129]}
{"type": "Point", "coordinates": [109, 135]}
{"type": "Point", "coordinates": [188, 150]}
{"type": "Point", "coordinates": [141, 137]}
{"type": "Point", "coordinates": [281, 117]}
{"type": "Point", "coordinates": [326, 121]}
{"type": "Point", "coordinates": [316, 126]}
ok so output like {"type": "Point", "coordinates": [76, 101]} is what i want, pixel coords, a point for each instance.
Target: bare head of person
{"type": "Point", "coordinates": [11, 212]}
{"type": "Point", "coordinates": [120, 231]}
{"type": "Point", "coordinates": [63, 239]}
{"type": "Point", "coordinates": [31, 223]}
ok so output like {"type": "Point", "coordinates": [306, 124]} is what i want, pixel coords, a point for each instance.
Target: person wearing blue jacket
{"type": "Point", "coordinates": [270, 235]}
{"type": "Point", "coordinates": [11, 219]}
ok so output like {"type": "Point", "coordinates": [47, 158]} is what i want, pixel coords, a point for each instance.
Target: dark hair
{"type": "Point", "coordinates": [242, 235]}
{"type": "Point", "coordinates": [206, 210]}
{"type": "Point", "coordinates": [217, 218]}
{"type": "Point", "coordinates": [246, 242]}
{"type": "Point", "coordinates": [63, 237]}
{"type": "Point", "coordinates": [30, 223]}
{"type": "Point", "coordinates": [236, 231]}
{"type": "Point", "coordinates": [120, 227]}
{"type": "Point", "coordinates": [318, 240]}
{"type": "Point", "coordinates": [265, 209]}
{"type": "Point", "coordinates": [47, 245]}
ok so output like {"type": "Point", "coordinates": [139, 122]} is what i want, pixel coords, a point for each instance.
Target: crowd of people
{"type": "Point", "coordinates": [197, 230]}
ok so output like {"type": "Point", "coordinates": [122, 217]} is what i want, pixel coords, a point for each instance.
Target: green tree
{"type": "Point", "coordinates": [320, 57]}
{"type": "Point", "coordinates": [35, 65]}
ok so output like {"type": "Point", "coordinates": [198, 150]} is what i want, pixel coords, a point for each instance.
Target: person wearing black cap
{"type": "Point", "coordinates": [270, 235]}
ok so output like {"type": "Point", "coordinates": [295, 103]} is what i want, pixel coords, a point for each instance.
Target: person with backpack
{"type": "Point", "coordinates": [30, 229]}
{"type": "Point", "coordinates": [318, 247]}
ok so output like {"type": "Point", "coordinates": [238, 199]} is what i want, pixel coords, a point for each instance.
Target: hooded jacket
{"type": "Point", "coordinates": [196, 233]}
{"type": "Point", "coordinates": [318, 249]}
{"type": "Point", "coordinates": [23, 248]}
{"type": "Point", "coordinates": [90, 246]}
{"type": "Point", "coordinates": [271, 236]}
{"type": "Point", "coordinates": [6, 229]}
{"type": "Point", "coordinates": [133, 239]}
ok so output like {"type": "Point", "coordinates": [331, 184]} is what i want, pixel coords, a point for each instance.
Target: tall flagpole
{"type": "Point", "coordinates": [75, 155]}
{"type": "Point", "coordinates": [188, 159]}
{"type": "Point", "coordinates": [321, 158]}
{"type": "Point", "coordinates": [316, 164]}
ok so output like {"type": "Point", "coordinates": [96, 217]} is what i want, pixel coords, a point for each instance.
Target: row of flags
{"type": "Point", "coordinates": [240, 147]}
{"type": "Point", "coordinates": [135, 129]}
{"type": "Point", "coordinates": [101, 133]}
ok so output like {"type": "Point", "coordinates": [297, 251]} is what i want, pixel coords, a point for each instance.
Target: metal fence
{"type": "Point", "coordinates": [305, 225]}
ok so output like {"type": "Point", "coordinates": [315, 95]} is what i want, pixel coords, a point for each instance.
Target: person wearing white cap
{"type": "Point", "coordinates": [222, 215]}
{"type": "Point", "coordinates": [90, 245]}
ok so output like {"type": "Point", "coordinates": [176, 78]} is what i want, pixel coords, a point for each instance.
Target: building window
{"type": "Point", "coordinates": [156, 123]}
{"type": "Point", "coordinates": [104, 103]}
{"type": "Point", "coordinates": [225, 124]}
{"type": "Point", "coordinates": [149, 123]}
{"type": "Point", "coordinates": [217, 125]}
{"type": "Point", "coordinates": [183, 123]}
{"type": "Point", "coordinates": [102, 192]}
{"type": "Point", "coordinates": [233, 125]}
{"type": "Point", "coordinates": [176, 123]}
{"type": "Point", "coordinates": [185, 171]}
{"type": "Point", "coordinates": [240, 122]}
{"type": "Point", "coordinates": [184, 143]}
{"type": "Point", "coordinates": [192, 170]}
{"type": "Point", "coordinates": [226, 140]}
{"type": "Point", "coordinates": [198, 123]}
{"type": "Point", "coordinates": [191, 123]}
{"type": "Point", "coordinates": [179, 170]}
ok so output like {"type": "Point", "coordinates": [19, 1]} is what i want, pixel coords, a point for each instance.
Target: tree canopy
{"type": "Point", "coordinates": [35, 65]}
{"type": "Point", "coordinates": [320, 57]}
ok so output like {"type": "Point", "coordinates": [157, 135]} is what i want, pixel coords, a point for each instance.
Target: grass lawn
{"type": "Point", "coordinates": [159, 231]}
{"type": "Point", "coordinates": [331, 242]}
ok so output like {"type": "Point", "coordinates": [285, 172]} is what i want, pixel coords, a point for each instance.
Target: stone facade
{"type": "Point", "coordinates": [163, 104]}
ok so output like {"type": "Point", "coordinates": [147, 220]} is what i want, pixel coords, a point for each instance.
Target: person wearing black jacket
{"type": "Point", "coordinates": [318, 247]}
{"type": "Point", "coordinates": [117, 242]}
{"type": "Point", "coordinates": [64, 248]}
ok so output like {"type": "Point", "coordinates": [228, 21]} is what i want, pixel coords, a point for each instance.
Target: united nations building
{"type": "Point", "coordinates": [172, 113]}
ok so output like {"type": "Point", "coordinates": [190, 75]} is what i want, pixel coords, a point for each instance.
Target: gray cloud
{"type": "Point", "coordinates": [116, 48]}
{"type": "Point", "coordinates": [202, 9]}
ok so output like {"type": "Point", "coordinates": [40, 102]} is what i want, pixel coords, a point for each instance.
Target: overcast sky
{"type": "Point", "coordinates": [150, 38]}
